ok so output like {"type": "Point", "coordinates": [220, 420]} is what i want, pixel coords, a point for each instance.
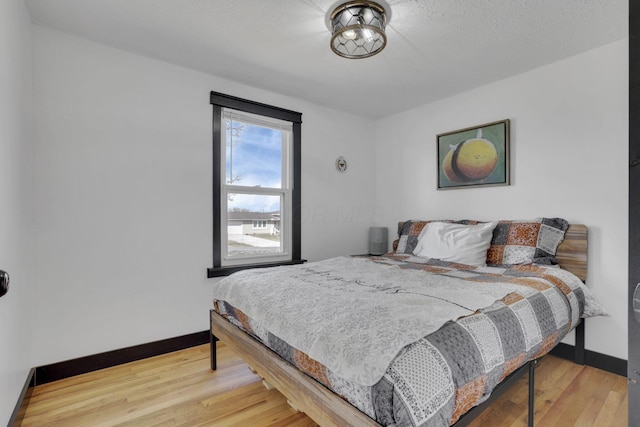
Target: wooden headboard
{"type": "Point", "coordinates": [572, 252]}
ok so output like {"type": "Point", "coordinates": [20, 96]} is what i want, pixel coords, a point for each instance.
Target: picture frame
{"type": "Point", "coordinates": [476, 156]}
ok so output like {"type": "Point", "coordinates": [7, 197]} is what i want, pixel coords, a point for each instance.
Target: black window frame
{"type": "Point", "coordinates": [220, 101]}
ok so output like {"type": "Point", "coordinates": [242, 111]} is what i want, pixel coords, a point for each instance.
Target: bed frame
{"type": "Point", "coordinates": [328, 409]}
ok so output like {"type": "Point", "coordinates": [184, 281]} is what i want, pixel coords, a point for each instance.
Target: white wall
{"type": "Point", "coordinates": [569, 158]}
{"type": "Point", "coordinates": [123, 194]}
{"type": "Point", "coordinates": [16, 195]}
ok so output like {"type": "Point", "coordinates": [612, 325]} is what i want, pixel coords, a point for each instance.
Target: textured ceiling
{"type": "Point", "coordinates": [435, 48]}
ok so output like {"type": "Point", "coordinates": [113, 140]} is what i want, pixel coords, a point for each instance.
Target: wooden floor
{"type": "Point", "coordinates": [178, 389]}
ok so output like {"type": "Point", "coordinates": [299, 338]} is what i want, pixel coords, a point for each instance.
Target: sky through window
{"type": "Point", "coordinates": [253, 159]}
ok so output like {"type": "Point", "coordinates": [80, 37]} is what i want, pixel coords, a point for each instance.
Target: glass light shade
{"type": "Point", "coordinates": [358, 29]}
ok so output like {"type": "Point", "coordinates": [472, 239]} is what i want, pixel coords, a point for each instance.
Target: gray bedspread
{"type": "Point", "coordinates": [362, 327]}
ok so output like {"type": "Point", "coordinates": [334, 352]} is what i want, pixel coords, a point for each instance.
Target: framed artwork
{"type": "Point", "coordinates": [474, 157]}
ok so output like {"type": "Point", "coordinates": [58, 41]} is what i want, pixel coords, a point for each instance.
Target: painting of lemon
{"type": "Point", "coordinates": [474, 156]}
{"type": "Point", "coordinates": [471, 160]}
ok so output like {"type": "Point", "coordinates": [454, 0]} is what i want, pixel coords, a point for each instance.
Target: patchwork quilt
{"type": "Point", "coordinates": [407, 340]}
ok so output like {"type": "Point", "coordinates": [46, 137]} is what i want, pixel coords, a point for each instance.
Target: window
{"type": "Point", "coordinates": [259, 224]}
{"type": "Point", "coordinates": [256, 185]}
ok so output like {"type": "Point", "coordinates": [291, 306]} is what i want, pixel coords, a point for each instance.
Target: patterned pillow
{"type": "Point", "coordinates": [513, 242]}
{"type": "Point", "coordinates": [408, 236]}
{"type": "Point", "coordinates": [526, 242]}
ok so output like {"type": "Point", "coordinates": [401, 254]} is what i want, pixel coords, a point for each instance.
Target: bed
{"type": "Point", "coordinates": [439, 371]}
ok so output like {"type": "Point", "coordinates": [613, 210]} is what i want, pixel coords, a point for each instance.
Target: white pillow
{"type": "Point", "coordinates": [464, 244]}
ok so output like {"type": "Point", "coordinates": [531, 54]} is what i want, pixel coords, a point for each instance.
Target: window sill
{"type": "Point", "coordinates": [225, 271]}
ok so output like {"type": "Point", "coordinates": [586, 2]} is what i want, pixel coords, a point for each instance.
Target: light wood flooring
{"type": "Point", "coordinates": [179, 389]}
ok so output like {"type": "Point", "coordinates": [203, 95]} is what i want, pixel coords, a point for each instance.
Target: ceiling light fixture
{"type": "Point", "coordinates": [357, 29]}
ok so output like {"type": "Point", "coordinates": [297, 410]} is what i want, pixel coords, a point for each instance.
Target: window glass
{"type": "Point", "coordinates": [253, 153]}
{"type": "Point", "coordinates": [253, 226]}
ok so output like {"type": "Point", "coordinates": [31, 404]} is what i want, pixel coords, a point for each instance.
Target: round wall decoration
{"type": "Point", "coordinates": [341, 164]}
